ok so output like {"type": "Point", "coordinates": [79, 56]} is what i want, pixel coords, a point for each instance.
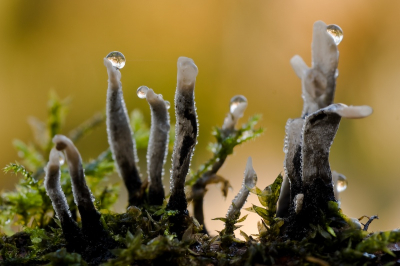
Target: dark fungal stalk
{"type": "Point", "coordinates": [120, 136]}
{"type": "Point", "coordinates": [97, 241]}
{"type": "Point", "coordinates": [158, 146]}
{"type": "Point", "coordinates": [71, 231]}
{"type": "Point", "coordinates": [186, 131]}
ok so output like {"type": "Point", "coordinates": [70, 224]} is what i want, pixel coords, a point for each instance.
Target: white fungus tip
{"type": "Point", "coordinates": [239, 110]}
{"type": "Point", "coordinates": [151, 96]}
{"type": "Point", "coordinates": [113, 73]}
{"type": "Point", "coordinates": [61, 142]}
{"type": "Point", "coordinates": [54, 157]}
{"type": "Point", "coordinates": [299, 66]}
{"type": "Point", "coordinates": [187, 70]}
{"type": "Point", "coordinates": [250, 176]}
{"type": "Point", "coordinates": [354, 111]}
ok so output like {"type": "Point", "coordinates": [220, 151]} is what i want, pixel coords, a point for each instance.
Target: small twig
{"type": "Point", "coordinates": [370, 219]}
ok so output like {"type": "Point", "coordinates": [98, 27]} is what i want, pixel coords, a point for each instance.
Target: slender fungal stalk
{"type": "Point", "coordinates": [158, 146]}
{"type": "Point", "coordinates": [52, 184]}
{"type": "Point", "coordinates": [186, 131]}
{"type": "Point", "coordinates": [232, 118]}
{"type": "Point", "coordinates": [249, 181]}
{"type": "Point", "coordinates": [82, 194]}
{"type": "Point", "coordinates": [120, 135]}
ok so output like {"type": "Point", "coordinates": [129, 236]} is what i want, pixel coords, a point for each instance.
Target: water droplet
{"type": "Point", "coordinates": [336, 32]}
{"type": "Point", "coordinates": [142, 91]}
{"type": "Point", "coordinates": [341, 183]}
{"type": "Point", "coordinates": [117, 59]}
{"type": "Point", "coordinates": [235, 101]}
{"type": "Point", "coordinates": [336, 73]}
{"type": "Point", "coordinates": [167, 104]}
{"type": "Point", "coordinates": [61, 158]}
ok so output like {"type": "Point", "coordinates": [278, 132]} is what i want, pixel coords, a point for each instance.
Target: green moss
{"type": "Point", "coordinates": [144, 233]}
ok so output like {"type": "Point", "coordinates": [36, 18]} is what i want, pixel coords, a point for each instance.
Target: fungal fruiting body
{"type": "Point", "coordinates": [249, 182]}
{"type": "Point", "coordinates": [309, 138]}
{"type": "Point", "coordinates": [158, 146]}
{"type": "Point", "coordinates": [186, 130]}
{"type": "Point", "coordinates": [120, 135]}
{"type": "Point", "coordinates": [237, 106]}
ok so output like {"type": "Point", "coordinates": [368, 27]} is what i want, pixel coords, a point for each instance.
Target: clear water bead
{"type": "Point", "coordinates": [167, 104]}
{"type": "Point", "coordinates": [235, 101]}
{"type": "Point", "coordinates": [336, 32]}
{"type": "Point", "coordinates": [142, 91]}
{"type": "Point", "coordinates": [61, 158]}
{"type": "Point", "coordinates": [341, 183]}
{"type": "Point", "coordinates": [117, 59]}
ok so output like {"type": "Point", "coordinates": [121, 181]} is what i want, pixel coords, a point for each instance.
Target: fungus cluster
{"type": "Point", "coordinates": [300, 219]}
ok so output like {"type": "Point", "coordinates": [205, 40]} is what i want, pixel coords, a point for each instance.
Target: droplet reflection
{"type": "Point", "coordinates": [142, 91]}
{"type": "Point", "coordinates": [341, 183]}
{"type": "Point", "coordinates": [236, 101]}
{"type": "Point", "coordinates": [117, 59]}
{"type": "Point", "coordinates": [336, 32]}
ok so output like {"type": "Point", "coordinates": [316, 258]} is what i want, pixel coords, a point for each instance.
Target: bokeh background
{"type": "Point", "coordinates": [240, 47]}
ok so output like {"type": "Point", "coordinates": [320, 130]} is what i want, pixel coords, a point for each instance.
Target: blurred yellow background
{"type": "Point", "coordinates": [240, 47]}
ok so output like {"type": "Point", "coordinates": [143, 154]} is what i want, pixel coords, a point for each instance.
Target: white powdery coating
{"type": "Point", "coordinates": [292, 143]}
{"type": "Point", "coordinates": [231, 119]}
{"type": "Point", "coordinates": [120, 135]}
{"type": "Point", "coordinates": [82, 195]}
{"type": "Point", "coordinates": [299, 66]}
{"type": "Point", "coordinates": [298, 202]}
{"type": "Point", "coordinates": [187, 71]}
{"type": "Point", "coordinates": [186, 127]}
{"type": "Point", "coordinates": [53, 186]}
{"type": "Point", "coordinates": [354, 112]}
{"type": "Point", "coordinates": [158, 141]}
{"type": "Point", "coordinates": [249, 181]}
{"type": "Point", "coordinates": [319, 81]}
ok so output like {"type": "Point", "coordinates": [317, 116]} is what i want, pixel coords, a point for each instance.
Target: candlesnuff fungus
{"type": "Point", "coordinates": [249, 182]}
{"type": "Point", "coordinates": [120, 135]}
{"type": "Point", "coordinates": [52, 184]}
{"type": "Point", "coordinates": [82, 194]}
{"type": "Point", "coordinates": [308, 179]}
{"type": "Point", "coordinates": [319, 81]}
{"type": "Point", "coordinates": [157, 149]}
{"type": "Point", "coordinates": [308, 210]}
{"type": "Point", "coordinates": [94, 241]}
{"type": "Point", "coordinates": [186, 130]}
{"type": "Point", "coordinates": [237, 106]}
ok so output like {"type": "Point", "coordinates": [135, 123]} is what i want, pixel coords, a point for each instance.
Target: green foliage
{"type": "Point", "coordinates": [62, 258]}
{"type": "Point", "coordinates": [225, 144]}
{"type": "Point", "coordinates": [29, 204]}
